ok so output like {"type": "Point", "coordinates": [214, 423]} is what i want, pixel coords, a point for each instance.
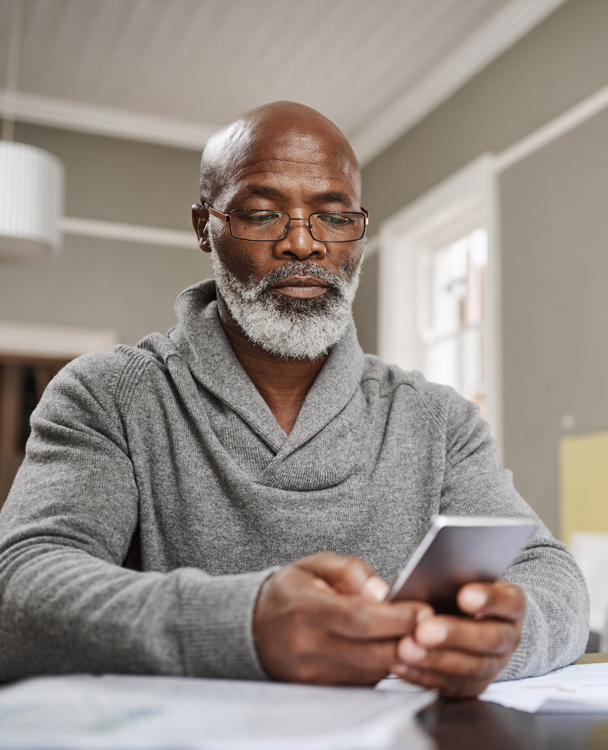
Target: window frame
{"type": "Point", "coordinates": [466, 200]}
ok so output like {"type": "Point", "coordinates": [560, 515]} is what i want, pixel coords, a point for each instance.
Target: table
{"type": "Point", "coordinates": [476, 725]}
{"type": "Point", "coordinates": [115, 712]}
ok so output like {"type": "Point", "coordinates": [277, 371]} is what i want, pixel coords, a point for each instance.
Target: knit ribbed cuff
{"type": "Point", "coordinates": [215, 625]}
{"type": "Point", "coordinates": [523, 661]}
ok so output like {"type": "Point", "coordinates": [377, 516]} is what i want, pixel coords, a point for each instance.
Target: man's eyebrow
{"type": "Point", "coordinates": [333, 196]}
{"type": "Point", "coordinates": [264, 191]}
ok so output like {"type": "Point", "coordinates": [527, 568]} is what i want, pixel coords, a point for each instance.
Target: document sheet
{"type": "Point", "coordinates": [580, 688]}
{"type": "Point", "coordinates": [171, 713]}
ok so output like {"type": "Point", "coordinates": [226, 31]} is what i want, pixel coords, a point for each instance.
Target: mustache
{"type": "Point", "coordinates": [301, 268]}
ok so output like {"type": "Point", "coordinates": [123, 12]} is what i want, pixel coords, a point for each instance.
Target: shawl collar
{"type": "Point", "coordinates": [200, 339]}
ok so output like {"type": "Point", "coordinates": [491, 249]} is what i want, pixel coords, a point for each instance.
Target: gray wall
{"type": "Point", "coordinates": [127, 287]}
{"type": "Point", "coordinates": [107, 284]}
{"type": "Point", "coordinates": [554, 230]}
{"type": "Point", "coordinates": [555, 304]}
{"type": "Point", "coordinates": [365, 308]}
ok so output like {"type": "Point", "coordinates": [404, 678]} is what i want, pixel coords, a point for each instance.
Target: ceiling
{"type": "Point", "coordinates": [171, 71]}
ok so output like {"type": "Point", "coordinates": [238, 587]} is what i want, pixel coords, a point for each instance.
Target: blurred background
{"type": "Point", "coordinates": [482, 130]}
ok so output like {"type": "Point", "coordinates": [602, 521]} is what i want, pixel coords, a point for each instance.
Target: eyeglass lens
{"type": "Point", "coordinates": [331, 226]}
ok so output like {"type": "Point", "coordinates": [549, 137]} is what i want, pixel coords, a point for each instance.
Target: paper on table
{"type": "Point", "coordinates": [580, 688]}
{"type": "Point", "coordinates": [156, 713]}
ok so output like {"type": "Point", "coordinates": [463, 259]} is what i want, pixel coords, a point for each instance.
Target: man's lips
{"type": "Point", "coordinates": [301, 287]}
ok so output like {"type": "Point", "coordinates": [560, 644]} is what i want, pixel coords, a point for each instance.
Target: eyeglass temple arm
{"type": "Point", "coordinates": [217, 214]}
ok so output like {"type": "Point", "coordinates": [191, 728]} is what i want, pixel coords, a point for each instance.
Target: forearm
{"type": "Point", "coordinates": [66, 604]}
{"type": "Point", "coordinates": [66, 611]}
{"type": "Point", "coordinates": [556, 624]}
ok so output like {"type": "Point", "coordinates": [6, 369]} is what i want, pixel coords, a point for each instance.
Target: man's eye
{"type": "Point", "coordinates": [335, 221]}
{"type": "Point", "coordinates": [261, 218]}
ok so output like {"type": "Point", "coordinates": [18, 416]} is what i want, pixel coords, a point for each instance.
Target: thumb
{"type": "Point", "coordinates": [348, 575]}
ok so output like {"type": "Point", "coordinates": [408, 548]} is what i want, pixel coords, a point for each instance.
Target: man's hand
{"type": "Point", "coordinates": [461, 656]}
{"type": "Point", "coordinates": [322, 620]}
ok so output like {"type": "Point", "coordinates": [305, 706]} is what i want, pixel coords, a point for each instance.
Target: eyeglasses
{"type": "Point", "coordinates": [260, 225]}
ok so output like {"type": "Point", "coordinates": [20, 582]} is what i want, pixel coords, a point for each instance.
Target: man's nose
{"type": "Point", "coordinates": [299, 243]}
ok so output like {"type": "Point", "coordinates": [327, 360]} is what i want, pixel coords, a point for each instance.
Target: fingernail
{"type": "Point", "coordinates": [423, 614]}
{"type": "Point", "coordinates": [400, 670]}
{"type": "Point", "coordinates": [431, 633]}
{"type": "Point", "coordinates": [474, 598]}
{"type": "Point", "coordinates": [374, 588]}
{"type": "Point", "coordinates": [410, 651]}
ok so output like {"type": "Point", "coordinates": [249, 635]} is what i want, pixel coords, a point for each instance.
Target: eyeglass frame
{"type": "Point", "coordinates": [227, 218]}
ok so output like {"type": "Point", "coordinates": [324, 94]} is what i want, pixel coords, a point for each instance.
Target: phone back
{"type": "Point", "coordinates": [459, 554]}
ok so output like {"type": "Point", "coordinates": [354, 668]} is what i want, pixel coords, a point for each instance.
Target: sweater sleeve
{"type": "Point", "coordinates": [66, 604]}
{"type": "Point", "coordinates": [556, 624]}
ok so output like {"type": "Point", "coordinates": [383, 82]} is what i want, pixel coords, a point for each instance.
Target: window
{"type": "Point", "coordinates": [439, 288]}
{"type": "Point", "coordinates": [452, 315]}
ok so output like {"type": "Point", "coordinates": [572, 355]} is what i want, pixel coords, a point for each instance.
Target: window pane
{"type": "Point", "coordinates": [472, 379]}
{"type": "Point", "coordinates": [444, 300]}
{"type": "Point", "coordinates": [455, 301]}
{"type": "Point", "coordinates": [442, 362]}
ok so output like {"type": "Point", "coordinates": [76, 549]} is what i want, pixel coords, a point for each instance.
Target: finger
{"type": "Point", "coordinates": [375, 589]}
{"type": "Point", "coordinates": [499, 599]}
{"type": "Point", "coordinates": [373, 656]}
{"type": "Point", "coordinates": [349, 575]}
{"type": "Point", "coordinates": [357, 619]}
{"type": "Point", "coordinates": [450, 661]}
{"type": "Point", "coordinates": [449, 686]}
{"type": "Point", "coordinates": [474, 636]}
{"type": "Point", "coordinates": [319, 607]}
{"type": "Point", "coordinates": [328, 659]}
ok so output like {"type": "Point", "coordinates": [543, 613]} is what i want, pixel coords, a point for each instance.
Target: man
{"type": "Point", "coordinates": [264, 476]}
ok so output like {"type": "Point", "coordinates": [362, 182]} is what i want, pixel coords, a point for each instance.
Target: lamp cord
{"type": "Point", "coordinates": [9, 105]}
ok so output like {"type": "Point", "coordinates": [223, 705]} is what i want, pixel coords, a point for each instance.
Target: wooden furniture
{"type": "Point", "coordinates": [477, 725]}
{"type": "Point", "coordinates": [23, 379]}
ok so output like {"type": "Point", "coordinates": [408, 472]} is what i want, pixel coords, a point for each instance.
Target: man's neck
{"type": "Point", "coordinates": [282, 383]}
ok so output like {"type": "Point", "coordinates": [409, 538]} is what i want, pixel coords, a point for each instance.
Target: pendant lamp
{"type": "Point", "coordinates": [31, 180]}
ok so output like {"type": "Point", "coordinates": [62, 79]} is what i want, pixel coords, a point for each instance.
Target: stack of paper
{"type": "Point", "coordinates": [171, 713]}
{"type": "Point", "coordinates": [581, 688]}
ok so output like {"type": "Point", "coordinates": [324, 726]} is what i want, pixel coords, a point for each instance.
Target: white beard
{"type": "Point", "coordinates": [288, 327]}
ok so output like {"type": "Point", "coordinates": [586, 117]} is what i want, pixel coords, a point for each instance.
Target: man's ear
{"type": "Point", "coordinates": [200, 222]}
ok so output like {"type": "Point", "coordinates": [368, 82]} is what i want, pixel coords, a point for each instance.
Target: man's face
{"type": "Point", "coordinates": [299, 284]}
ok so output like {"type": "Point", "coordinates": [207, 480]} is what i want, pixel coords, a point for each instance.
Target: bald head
{"type": "Point", "coordinates": [281, 131]}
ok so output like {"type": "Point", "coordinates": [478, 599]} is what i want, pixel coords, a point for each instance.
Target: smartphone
{"type": "Point", "coordinates": [458, 550]}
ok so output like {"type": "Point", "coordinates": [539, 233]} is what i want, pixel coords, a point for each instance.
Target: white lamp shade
{"type": "Point", "coordinates": [31, 201]}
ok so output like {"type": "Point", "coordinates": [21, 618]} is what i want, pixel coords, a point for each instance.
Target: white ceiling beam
{"type": "Point", "coordinates": [497, 35]}
{"type": "Point", "coordinates": [114, 230]}
{"type": "Point", "coordinates": [554, 129]}
{"type": "Point", "coordinates": [89, 118]}
{"type": "Point", "coordinates": [43, 340]}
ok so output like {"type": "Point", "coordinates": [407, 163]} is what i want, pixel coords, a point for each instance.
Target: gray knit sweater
{"type": "Point", "coordinates": [165, 454]}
